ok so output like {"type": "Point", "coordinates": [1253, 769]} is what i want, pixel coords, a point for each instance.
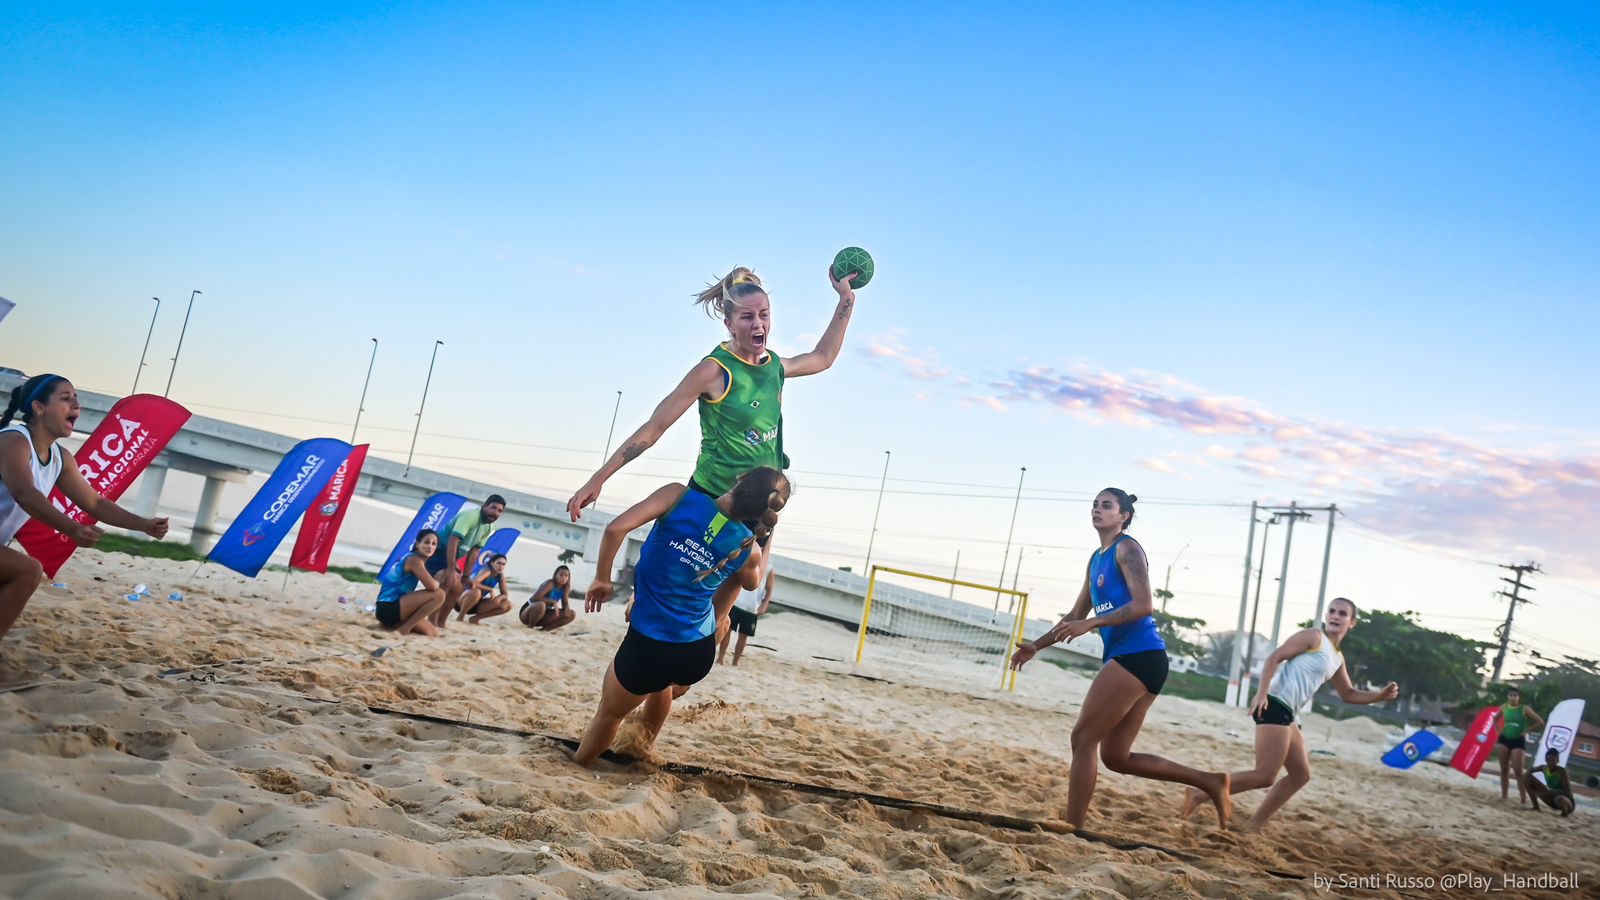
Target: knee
{"type": "Point", "coordinates": [1115, 762]}
{"type": "Point", "coordinates": [1081, 741]}
{"type": "Point", "coordinates": [32, 573]}
{"type": "Point", "coordinates": [1297, 778]}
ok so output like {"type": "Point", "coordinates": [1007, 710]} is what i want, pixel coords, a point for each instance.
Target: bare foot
{"type": "Point", "coordinates": [1221, 798]}
{"type": "Point", "coordinates": [426, 627]}
{"type": "Point", "coordinates": [1192, 798]}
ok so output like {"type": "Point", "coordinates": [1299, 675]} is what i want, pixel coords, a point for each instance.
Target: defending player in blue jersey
{"type": "Point", "coordinates": [1117, 590]}
{"type": "Point", "coordinates": [679, 613]}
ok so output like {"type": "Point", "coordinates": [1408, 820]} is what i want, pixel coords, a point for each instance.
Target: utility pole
{"type": "Point", "coordinates": [955, 573]}
{"type": "Point", "coordinates": [1294, 512]}
{"type": "Point", "coordinates": [1255, 611]}
{"type": "Point", "coordinates": [1517, 587]}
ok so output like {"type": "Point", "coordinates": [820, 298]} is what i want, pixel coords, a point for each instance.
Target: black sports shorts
{"type": "Point", "coordinates": [1149, 666]}
{"type": "Point", "coordinates": [645, 665]}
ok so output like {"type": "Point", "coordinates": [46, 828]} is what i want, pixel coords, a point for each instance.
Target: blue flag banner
{"type": "Point", "coordinates": [437, 512]}
{"type": "Point", "coordinates": [1412, 750]}
{"type": "Point", "coordinates": [267, 518]}
{"type": "Point", "coordinates": [499, 542]}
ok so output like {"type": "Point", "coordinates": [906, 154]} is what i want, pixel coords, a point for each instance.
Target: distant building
{"type": "Point", "coordinates": [1587, 745]}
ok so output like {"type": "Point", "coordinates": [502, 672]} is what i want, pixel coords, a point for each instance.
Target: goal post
{"type": "Point", "coordinates": [956, 634]}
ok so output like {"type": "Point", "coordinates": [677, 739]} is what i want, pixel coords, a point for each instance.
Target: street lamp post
{"type": "Point", "coordinates": [146, 345]}
{"type": "Point", "coordinates": [181, 332]}
{"type": "Point", "coordinates": [362, 406]}
{"type": "Point", "coordinates": [423, 405]}
{"type": "Point", "coordinates": [867, 568]}
{"type": "Point", "coordinates": [613, 430]}
{"type": "Point", "coordinates": [1013, 530]}
{"type": "Point", "coordinates": [1166, 585]}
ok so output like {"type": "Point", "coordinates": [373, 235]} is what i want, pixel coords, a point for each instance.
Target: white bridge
{"type": "Point", "coordinates": [223, 452]}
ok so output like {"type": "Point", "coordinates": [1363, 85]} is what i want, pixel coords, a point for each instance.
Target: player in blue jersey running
{"type": "Point", "coordinates": [682, 593]}
{"type": "Point", "coordinates": [1116, 590]}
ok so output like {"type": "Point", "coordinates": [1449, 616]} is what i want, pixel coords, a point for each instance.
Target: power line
{"type": "Point", "coordinates": [1413, 546]}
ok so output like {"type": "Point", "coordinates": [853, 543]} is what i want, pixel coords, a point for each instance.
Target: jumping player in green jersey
{"type": "Point", "coordinates": [739, 388]}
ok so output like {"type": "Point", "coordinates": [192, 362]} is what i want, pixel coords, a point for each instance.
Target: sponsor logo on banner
{"type": "Point", "coordinates": [1559, 737]}
{"type": "Point", "coordinates": [435, 512]}
{"type": "Point", "coordinates": [317, 534]}
{"type": "Point", "coordinates": [131, 434]}
{"type": "Point", "coordinates": [265, 521]}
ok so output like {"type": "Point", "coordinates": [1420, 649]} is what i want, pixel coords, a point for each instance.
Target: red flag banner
{"type": "Point", "coordinates": [130, 436]}
{"type": "Point", "coordinates": [321, 525]}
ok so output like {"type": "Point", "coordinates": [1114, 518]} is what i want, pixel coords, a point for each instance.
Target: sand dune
{"type": "Point", "coordinates": [258, 770]}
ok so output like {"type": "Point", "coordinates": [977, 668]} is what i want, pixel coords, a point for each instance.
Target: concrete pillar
{"type": "Point", "coordinates": [205, 518]}
{"type": "Point", "coordinates": [154, 479]}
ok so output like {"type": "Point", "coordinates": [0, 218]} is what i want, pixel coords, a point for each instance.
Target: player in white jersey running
{"type": "Point", "coordinates": [1290, 678]}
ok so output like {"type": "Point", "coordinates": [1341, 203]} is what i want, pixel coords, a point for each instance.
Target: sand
{"type": "Point", "coordinates": [258, 770]}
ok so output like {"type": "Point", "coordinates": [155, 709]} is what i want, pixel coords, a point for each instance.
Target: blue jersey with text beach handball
{"type": "Point", "coordinates": [669, 603]}
{"type": "Point", "coordinates": [1108, 590]}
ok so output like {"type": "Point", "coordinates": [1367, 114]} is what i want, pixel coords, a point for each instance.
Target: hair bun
{"type": "Point", "coordinates": [1133, 498]}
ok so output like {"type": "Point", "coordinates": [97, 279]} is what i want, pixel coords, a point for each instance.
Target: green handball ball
{"type": "Point", "coordinates": [853, 259]}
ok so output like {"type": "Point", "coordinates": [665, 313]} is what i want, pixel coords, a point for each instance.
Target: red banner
{"type": "Point", "coordinates": [321, 525]}
{"type": "Point", "coordinates": [130, 436]}
{"type": "Point", "coordinates": [1478, 743]}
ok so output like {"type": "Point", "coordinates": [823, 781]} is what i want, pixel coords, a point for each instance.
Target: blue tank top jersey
{"type": "Point", "coordinates": [395, 581]}
{"type": "Point", "coordinates": [1108, 590]}
{"type": "Point", "coordinates": [669, 604]}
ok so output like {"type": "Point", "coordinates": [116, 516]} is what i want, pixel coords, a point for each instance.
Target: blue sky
{"type": "Point", "coordinates": [1206, 253]}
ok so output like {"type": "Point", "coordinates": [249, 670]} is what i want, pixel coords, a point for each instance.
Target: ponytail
{"type": "Point", "coordinates": [758, 496]}
{"type": "Point", "coordinates": [23, 395]}
{"type": "Point", "coordinates": [720, 296]}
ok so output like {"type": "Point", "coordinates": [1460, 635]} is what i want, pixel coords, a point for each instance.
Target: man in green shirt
{"type": "Point", "coordinates": [1556, 791]}
{"type": "Point", "coordinates": [468, 532]}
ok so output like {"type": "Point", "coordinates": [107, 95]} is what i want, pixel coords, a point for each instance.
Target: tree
{"type": "Point", "coordinates": [1172, 630]}
{"type": "Point", "coordinates": [1558, 681]}
{"type": "Point", "coordinates": [1219, 650]}
{"type": "Point", "coordinates": [1388, 646]}
{"type": "Point", "coordinates": [567, 557]}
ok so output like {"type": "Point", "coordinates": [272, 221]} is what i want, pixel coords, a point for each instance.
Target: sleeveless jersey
{"type": "Point", "coordinates": [1298, 679]}
{"type": "Point", "coordinates": [1512, 722]}
{"type": "Point", "coordinates": [396, 581]}
{"type": "Point", "coordinates": [1108, 590]}
{"type": "Point", "coordinates": [45, 474]}
{"type": "Point", "coordinates": [742, 429]}
{"type": "Point", "coordinates": [669, 603]}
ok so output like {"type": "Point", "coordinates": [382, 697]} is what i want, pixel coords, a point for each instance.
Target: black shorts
{"type": "Point", "coordinates": [436, 564]}
{"type": "Point", "coordinates": [645, 665]}
{"type": "Point", "coordinates": [388, 612]}
{"type": "Point", "coordinates": [1149, 666]}
{"type": "Point", "coordinates": [1515, 743]}
{"type": "Point", "coordinates": [743, 621]}
{"type": "Point", "coordinates": [1276, 713]}
{"type": "Point", "coordinates": [766, 539]}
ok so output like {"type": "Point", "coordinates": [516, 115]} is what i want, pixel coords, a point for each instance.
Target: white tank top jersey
{"type": "Point", "coordinates": [1298, 679]}
{"type": "Point", "coordinates": [750, 601]}
{"type": "Point", "coordinates": [44, 478]}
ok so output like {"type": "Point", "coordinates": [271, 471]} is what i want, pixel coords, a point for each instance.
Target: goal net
{"type": "Point", "coordinates": [957, 630]}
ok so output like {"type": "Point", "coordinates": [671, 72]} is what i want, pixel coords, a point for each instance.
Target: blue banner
{"type": "Point", "coordinates": [1412, 750]}
{"type": "Point", "coordinates": [267, 518]}
{"type": "Point", "coordinates": [437, 512]}
{"type": "Point", "coordinates": [499, 542]}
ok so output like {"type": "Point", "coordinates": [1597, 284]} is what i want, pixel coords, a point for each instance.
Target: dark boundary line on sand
{"type": "Point", "coordinates": [993, 820]}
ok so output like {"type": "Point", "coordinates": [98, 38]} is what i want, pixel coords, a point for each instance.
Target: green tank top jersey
{"type": "Point", "coordinates": [1554, 780]}
{"type": "Point", "coordinates": [1512, 722]}
{"type": "Point", "coordinates": [742, 429]}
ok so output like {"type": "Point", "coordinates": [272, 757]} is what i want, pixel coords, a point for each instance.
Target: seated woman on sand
{"type": "Point", "coordinates": [401, 604]}
{"type": "Point", "coordinates": [549, 608]}
{"type": "Point", "coordinates": [699, 549]}
{"type": "Point", "coordinates": [486, 595]}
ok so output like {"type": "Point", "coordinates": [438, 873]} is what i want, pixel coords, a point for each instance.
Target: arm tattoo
{"type": "Point", "coordinates": [633, 451]}
{"type": "Point", "coordinates": [844, 309]}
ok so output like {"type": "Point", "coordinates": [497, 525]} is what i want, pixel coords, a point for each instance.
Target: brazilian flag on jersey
{"type": "Point", "coordinates": [742, 429]}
